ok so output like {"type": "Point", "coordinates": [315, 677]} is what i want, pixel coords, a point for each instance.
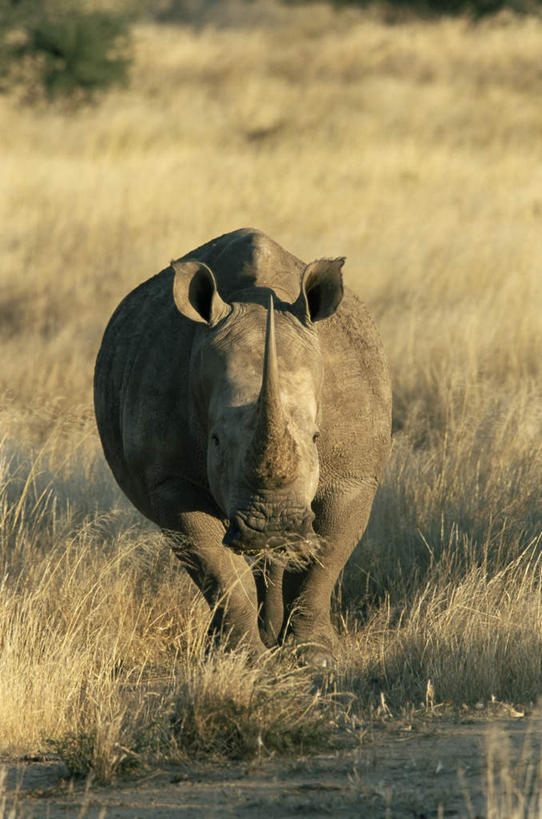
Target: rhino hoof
{"type": "Point", "coordinates": [315, 656]}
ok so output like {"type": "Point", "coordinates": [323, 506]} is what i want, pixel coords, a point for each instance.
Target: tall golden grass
{"type": "Point", "coordinates": [415, 150]}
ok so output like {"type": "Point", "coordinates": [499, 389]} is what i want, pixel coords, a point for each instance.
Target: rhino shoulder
{"type": "Point", "coordinates": [356, 395]}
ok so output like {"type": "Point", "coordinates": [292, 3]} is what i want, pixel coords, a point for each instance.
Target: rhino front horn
{"type": "Point", "coordinates": [273, 455]}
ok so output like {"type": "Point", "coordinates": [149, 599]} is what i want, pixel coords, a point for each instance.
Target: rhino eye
{"type": "Point", "coordinates": [214, 439]}
{"type": "Point", "coordinates": [315, 437]}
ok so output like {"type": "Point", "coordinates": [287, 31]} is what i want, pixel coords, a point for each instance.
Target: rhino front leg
{"type": "Point", "coordinates": [224, 578]}
{"type": "Point", "coordinates": [341, 518]}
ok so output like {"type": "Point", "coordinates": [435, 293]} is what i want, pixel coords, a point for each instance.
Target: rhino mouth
{"type": "Point", "coordinates": [248, 533]}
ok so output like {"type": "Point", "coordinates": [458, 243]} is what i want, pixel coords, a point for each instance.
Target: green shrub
{"type": "Point", "coordinates": [431, 8]}
{"type": "Point", "coordinates": [63, 50]}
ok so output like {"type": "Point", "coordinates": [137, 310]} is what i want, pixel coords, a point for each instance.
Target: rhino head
{"type": "Point", "coordinates": [255, 381]}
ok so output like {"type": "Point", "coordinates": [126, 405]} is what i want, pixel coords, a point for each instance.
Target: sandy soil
{"type": "Point", "coordinates": [437, 768]}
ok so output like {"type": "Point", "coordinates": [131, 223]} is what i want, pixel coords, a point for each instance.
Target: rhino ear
{"type": "Point", "coordinates": [321, 289]}
{"type": "Point", "coordinates": [196, 294]}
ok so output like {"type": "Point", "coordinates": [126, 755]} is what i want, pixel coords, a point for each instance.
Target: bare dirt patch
{"type": "Point", "coordinates": [469, 768]}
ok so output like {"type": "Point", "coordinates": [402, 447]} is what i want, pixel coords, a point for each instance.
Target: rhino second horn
{"type": "Point", "coordinates": [269, 406]}
{"type": "Point", "coordinates": [273, 455]}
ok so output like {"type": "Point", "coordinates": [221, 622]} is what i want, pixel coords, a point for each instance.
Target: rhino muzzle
{"type": "Point", "coordinates": [249, 533]}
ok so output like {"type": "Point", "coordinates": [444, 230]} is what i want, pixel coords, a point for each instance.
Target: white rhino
{"type": "Point", "coordinates": [243, 401]}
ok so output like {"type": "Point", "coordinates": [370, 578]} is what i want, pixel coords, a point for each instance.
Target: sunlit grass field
{"type": "Point", "coordinates": [415, 151]}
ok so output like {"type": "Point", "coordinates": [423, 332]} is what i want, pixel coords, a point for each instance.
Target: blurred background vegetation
{"type": "Point", "coordinates": [70, 49]}
{"type": "Point", "coordinates": [62, 49]}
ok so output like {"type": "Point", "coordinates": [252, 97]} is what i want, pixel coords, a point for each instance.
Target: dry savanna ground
{"type": "Point", "coordinates": [412, 149]}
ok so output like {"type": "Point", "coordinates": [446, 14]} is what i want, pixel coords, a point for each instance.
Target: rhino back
{"type": "Point", "coordinates": [247, 263]}
{"type": "Point", "coordinates": [141, 389]}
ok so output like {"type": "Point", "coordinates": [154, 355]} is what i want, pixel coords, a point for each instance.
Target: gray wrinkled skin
{"type": "Point", "coordinates": [244, 405]}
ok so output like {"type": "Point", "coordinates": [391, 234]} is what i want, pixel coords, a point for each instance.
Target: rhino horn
{"type": "Point", "coordinates": [273, 454]}
{"type": "Point", "coordinates": [269, 404]}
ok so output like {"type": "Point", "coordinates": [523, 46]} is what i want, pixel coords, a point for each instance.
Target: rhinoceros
{"type": "Point", "coordinates": [243, 402]}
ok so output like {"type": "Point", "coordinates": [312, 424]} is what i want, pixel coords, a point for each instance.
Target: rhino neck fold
{"type": "Point", "coordinates": [273, 454]}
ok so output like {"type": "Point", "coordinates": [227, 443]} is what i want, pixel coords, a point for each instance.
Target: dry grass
{"type": "Point", "coordinates": [415, 151]}
{"type": "Point", "coordinates": [104, 652]}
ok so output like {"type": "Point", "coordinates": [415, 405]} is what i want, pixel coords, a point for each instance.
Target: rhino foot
{"type": "Point", "coordinates": [315, 656]}
{"type": "Point", "coordinates": [314, 639]}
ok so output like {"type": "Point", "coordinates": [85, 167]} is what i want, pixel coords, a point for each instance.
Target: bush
{"type": "Point", "coordinates": [62, 50]}
{"type": "Point", "coordinates": [474, 8]}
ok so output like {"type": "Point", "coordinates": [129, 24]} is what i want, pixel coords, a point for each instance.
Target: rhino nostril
{"type": "Point", "coordinates": [306, 526]}
{"type": "Point", "coordinates": [233, 533]}
{"type": "Point", "coordinates": [251, 530]}
{"type": "Point", "coordinates": [307, 529]}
